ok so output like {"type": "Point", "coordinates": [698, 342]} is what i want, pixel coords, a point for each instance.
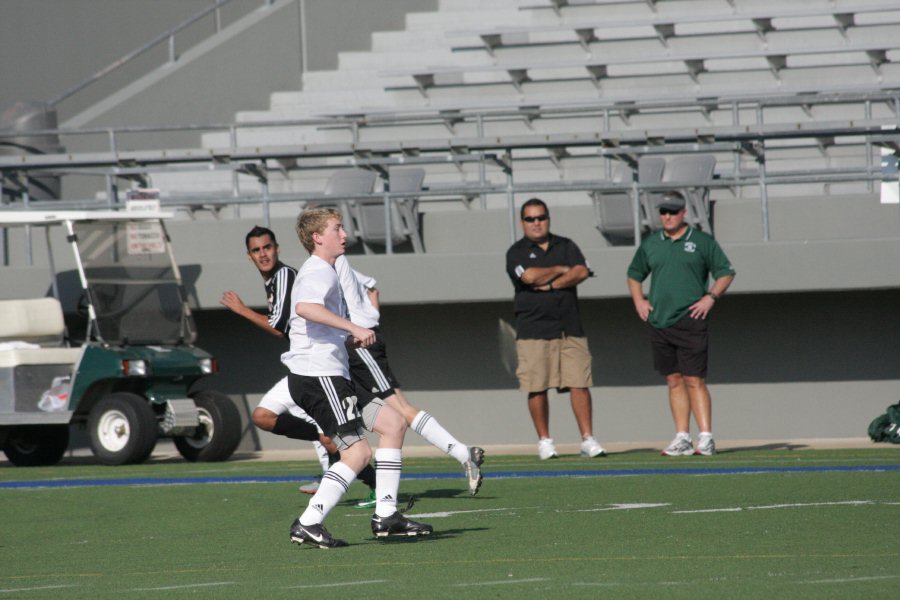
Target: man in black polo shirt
{"type": "Point", "coordinates": [681, 259]}
{"type": "Point", "coordinates": [551, 346]}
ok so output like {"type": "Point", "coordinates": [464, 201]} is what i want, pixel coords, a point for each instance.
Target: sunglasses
{"type": "Point", "coordinates": [538, 218]}
{"type": "Point", "coordinates": [669, 211]}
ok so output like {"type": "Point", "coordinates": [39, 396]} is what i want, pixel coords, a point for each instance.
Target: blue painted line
{"type": "Point", "coordinates": [151, 481]}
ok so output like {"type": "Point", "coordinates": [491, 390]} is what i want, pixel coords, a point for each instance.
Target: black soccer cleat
{"type": "Point", "coordinates": [397, 524]}
{"type": "Point", "coordinates": [314, 535]}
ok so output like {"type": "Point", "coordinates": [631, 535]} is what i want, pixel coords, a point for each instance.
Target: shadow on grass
{"type": "Point", "coordinates": [443, 493]}
{"type": "Point", "coordinates": [435, 536]}
{"type": "Point", "coordinates": [635, 451]}
{"type": "Point", "coordinates": [772, 446]}
{"type": "Point", "coordinates": [404, 502]}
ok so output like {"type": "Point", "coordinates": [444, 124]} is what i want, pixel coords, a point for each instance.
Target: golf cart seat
{"type": "Point", "coordinates": [38, 321]}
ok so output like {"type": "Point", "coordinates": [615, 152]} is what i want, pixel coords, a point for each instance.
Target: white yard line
{"type": "Point", "coordinates": [707, 510]}
{"type": "Point", "coordinates": [773, 506]}
{"type": "Point", "coordinates": [182, 587]}
{"type": "Point", "coordinates": [502, 582]}
{"type": "Point", "coordinates": [34, 589]}
{"type": "Point", "coordinates": [852, 579]}
{"type": "Point", "coordinates": [620, 507]}
{"type": "Point", "coordinates": [445, 514]}
{"type": "Point", "coordinates": [451, 513]}
{"type": "Point", "coordinates": [339, 584]}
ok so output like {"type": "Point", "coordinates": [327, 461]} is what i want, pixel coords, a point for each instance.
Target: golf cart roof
{"type": "Point", "coordinates": [50, 217]}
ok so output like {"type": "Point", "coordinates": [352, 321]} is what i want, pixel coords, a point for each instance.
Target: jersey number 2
{"type": "Point", "coordinates": [350, 408]}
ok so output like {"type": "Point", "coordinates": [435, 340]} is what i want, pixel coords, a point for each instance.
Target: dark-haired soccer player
{"type": "Point", "coordinates": [277, 412]}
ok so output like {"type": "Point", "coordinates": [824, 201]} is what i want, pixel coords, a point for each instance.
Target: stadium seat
{"type": "Point", "coordinates": [349, 183]}
{"type": "Point", "coordinates": [369, 215]}
{"type": "Point", "coordinates": [615, 210]}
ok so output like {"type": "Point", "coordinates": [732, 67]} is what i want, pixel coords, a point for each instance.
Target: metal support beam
{"type": "Point", "coordinates": [636, 205]}
{"type": "Point", "coordinates": [763, 196]}
{"type": "Point", "coordinates": [585, 37]}
{"type": "Point", "coordinates": [491, 41]}
{"type": "Point", "coordinates": [844, 21]}
{"type": "Point", "coordinates": [510, 196]}
{"type": "Point", "coordinates": [388, 238]}
{"type": "Point", "coordinates": [518, 77]}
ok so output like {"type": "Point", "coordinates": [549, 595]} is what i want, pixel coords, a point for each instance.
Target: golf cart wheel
{"type": "Point", "coordinates": [122, 428]}
{"type": "Point", "coordinates": [36, 445]}
{"type": "Point", "coordinates": [219, 432]}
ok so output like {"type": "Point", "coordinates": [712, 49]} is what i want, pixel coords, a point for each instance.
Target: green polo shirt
{"type": "Point", "coordinates": [681, 270]}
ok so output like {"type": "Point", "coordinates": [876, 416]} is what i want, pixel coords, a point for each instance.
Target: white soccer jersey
{"type": "Point", "coordinates": [317, 349]}
{"type": "Point", "coordinates": [354, 285]}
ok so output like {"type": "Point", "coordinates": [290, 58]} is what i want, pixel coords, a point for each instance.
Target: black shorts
{"type": "Point", "coordinates": [330, 400]}
{"type": "Point", "coordinates": [371, 372]}
{"type": "Point", "coordinates": [682, 348]}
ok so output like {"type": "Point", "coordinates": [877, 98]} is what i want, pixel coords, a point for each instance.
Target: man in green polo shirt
{"type": "Point", "coordinates": [681, 259]}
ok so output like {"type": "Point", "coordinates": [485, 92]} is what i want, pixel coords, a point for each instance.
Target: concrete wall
{"type": "Point", "coordinates": [783, 366]}
{"type": "Point", "coordinates": [464, 260]}
{"type": "Point", "coordinates": [58, 44]}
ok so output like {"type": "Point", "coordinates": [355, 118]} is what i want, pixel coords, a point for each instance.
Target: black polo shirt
{"type": "Point", "coordinates": [544, 315]}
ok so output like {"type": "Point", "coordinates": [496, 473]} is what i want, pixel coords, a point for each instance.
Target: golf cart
{"type": "Point", "coordinates": [131, 377]}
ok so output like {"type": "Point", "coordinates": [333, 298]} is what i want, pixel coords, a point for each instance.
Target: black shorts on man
{"type": "Point", "coordinates": [682, 348]}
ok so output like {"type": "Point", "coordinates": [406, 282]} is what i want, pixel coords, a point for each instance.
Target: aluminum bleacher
{"type": "Point", "coordinates": [762, 22]}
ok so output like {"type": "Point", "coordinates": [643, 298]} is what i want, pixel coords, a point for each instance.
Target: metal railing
{"type": "Point", "coordinates": [603, 112]}
{"type": "Point", "coordinates": [739, 140]}
{"type": "Point", "coordinates": [167, 37]}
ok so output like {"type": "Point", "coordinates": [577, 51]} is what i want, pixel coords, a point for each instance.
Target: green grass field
{"type": "Point", "coordinates": [633, 525]}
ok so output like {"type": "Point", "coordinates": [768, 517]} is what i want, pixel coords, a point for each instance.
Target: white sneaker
{"type": "Point", "coordinates": [706, 445]}
{"type": "Point", "coordinates": [680, 446]}
{"type": "Point", "coordinates": [546, 449]}
{"type": "Point", "coordinates": [591, 448]}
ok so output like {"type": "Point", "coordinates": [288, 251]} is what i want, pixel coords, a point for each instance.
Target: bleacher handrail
{"type": "Point", "coordinates": [167, 36]}
{"type": "Point", "coordinates": [738, 139]}
{"type": "Point", "coordinates": [694, 55]}
{"type": "Point", "coordinates": [485, 113]}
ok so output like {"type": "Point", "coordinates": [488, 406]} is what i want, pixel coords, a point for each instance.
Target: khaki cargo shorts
{"type": "Point", "coordinates": [561, 363]}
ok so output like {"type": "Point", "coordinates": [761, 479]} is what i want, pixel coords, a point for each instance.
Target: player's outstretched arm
{"type": "Point", "coordinates": [233, 302]}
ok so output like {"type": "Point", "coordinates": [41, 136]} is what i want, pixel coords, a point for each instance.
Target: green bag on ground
{"type": "Point", "coordinates": [886, 428]}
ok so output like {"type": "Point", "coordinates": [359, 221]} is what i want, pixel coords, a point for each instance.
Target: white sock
{"type": "Point", "coordinates": [428, 427]}
{"type": "Point", "coordinates": [388, 464]}
{"type": "Point", "coordinates": [683, 435]}
{"type": "Point", "coordinates": [322, 455]}
{"type": "Point", "coordinates": [706, 434]}
{"type": "Point", "coordinates": [334, 484]}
